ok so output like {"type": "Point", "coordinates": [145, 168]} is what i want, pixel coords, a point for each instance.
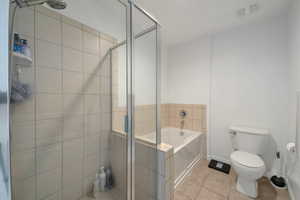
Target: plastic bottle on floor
{"type": "Point", "coordinates": [102, 177]}
{"type": "Point", "coordinates": [96, 186]}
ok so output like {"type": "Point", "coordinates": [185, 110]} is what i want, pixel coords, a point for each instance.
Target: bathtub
{"type": "Point", "coordinates": [189, 147]}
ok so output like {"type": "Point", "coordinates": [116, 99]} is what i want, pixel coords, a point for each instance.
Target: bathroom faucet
{"type": "Point", "coordinates": [182, 114]}
{"type": "Point", "coordinates": [182, 124]}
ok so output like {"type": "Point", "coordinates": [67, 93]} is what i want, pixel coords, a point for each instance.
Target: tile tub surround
{"type": "Point", "coordinates": [189, 148]}
{"type": "Point", "coordinates": [204, 183]}
{"type": "Point", "coordinates": [146, 170]}
{"type": "Point", "coordinates": [60, 135]}
{"type": "Point", "coordinates": [145, 119]}
{"type": "Point", "coordinates": [195, 120]}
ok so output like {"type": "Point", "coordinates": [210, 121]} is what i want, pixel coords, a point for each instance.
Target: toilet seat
{"type": "Point", "coordinates": [247, 159]}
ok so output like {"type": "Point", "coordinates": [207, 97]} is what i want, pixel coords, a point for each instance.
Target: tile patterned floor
{"type": "Point", "coordinates": [204, 183]}
{"type": "Point", "coordinates": [101, 196]}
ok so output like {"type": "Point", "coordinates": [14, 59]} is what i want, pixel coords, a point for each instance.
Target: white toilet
{"type": "Point", "coordinates": [248, 144]}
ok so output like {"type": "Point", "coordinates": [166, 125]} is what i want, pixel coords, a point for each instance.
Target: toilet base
{"type": "Point", "coordinates": [247, 187]}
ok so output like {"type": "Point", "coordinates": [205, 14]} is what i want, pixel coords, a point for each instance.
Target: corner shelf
{"type": "Point", "coordinates": [21, 58]}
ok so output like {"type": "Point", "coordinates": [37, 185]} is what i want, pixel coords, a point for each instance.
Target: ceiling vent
{"type": "Point", "coordinates": [247, 11]}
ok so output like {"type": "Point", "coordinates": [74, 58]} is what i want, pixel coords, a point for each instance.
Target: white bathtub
{"type": "Point", "coordinates": [189, 147]}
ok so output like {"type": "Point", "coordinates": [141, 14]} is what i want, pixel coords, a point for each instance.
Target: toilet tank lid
{"type": "Point", "coordinates": [249, 130]}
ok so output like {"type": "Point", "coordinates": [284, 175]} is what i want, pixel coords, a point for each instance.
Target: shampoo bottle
{"type": "Point", "coordinates": [102, 177]}
{"type": "Point", "coordinates": [96, 186]}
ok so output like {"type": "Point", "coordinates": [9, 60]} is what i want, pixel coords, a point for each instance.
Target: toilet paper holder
{"type": "Point", "coordinates": [291, 147]}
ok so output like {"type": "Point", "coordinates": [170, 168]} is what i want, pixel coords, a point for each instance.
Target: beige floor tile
{"type": "Point", "coordinates": [199, 175]}
{"type": "Point", "coordinates": [181, 196]}
{"type": "Point", "coordinates": [204, 183]}
{"type": "Point", "coordinates": [189, 188]}
{"type": "Point", "coordinates": [219, 183]}
{"type": "Point", "coordinates": [283, 195]}
{"type": "Point", "coordinates": [266, 190]}
{"type": "Point", "coordinates": [206, 194]}
{"type": "Point", "coordinates": [235, 195]}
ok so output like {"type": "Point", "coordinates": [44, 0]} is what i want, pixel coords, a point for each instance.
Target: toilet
{"type": "Point", "coordinates": [248, 145]}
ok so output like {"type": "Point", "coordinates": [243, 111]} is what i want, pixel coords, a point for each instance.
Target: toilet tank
{"type": "Point", "coordinates": [251, 140]}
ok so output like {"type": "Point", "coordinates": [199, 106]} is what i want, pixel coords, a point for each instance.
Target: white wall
{"type": "Point", "coordinates": [144, 71]}
{"type": "Point", "coordinates": [241, 73]}
{"type": "Point", "coordinates": [294, 44]}
{"type": "Point", "coordinates": [249, 82]}
{"type": "Point", "coordinates": [189, 72]}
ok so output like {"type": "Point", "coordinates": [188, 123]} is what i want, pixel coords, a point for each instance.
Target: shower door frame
{"type": "Point", "coordinates": [130, 37]}
{"type": "Point", "coordinates": [5, 176]}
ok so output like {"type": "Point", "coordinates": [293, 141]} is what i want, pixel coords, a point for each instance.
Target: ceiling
{"type": "Point", "coordinates": [184, 20]}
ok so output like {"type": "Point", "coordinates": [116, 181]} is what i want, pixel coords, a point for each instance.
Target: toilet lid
{"type": "Point", "coordinates": [247, 159]}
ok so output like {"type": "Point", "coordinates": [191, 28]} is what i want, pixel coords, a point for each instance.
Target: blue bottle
{"type": "Point", "coordinates": [16, 47]}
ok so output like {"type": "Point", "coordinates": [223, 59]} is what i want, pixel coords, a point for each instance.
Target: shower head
{"type": "Point", "coordinates": [56, 4]}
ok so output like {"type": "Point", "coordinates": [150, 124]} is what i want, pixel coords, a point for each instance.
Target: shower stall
{"type": "Point", "coordinates": [80, 87]}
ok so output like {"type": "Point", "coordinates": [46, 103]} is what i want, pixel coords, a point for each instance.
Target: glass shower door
{"type": "Point", "coordinates": [146, 112]}
{"type": "Point", "coordinates": [136, 102]}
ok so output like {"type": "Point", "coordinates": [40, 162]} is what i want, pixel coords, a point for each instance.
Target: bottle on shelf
{"type": "Point", "coordinates": [26, 49]}
{"type": "Point", "coordinates": [17, 46]}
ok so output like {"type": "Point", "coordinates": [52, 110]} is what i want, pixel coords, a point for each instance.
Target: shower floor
{"type": "Point", "coordinates": [102, 196]}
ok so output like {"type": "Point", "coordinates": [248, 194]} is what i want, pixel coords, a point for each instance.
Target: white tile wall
{"type": "Point", "coordinates": [48, 183]}
{"type": "Point", "coordinates": [72, 36]}
{"type": "Point", "coordinates": [48, 106]}
{"type": "Point", "coordinates": [73, 104]}
{"type": "Point", "coordinates": [23, 111]}
{"type": "Point", "coordinates": [24, 189]}
{"type": "Point", "coordinates": [91, 84]}
{"type": "Point", "coordinates": [91, 42]}
{"type": "Point", "coordinates": [48, 131]}
{"type": "Point", "coordinates": [92, 124]}
{"type": "Point", "coordinates": [91, 63]}
{"type": "Point", "coordinates": [24, 22]}
{"type": "Point", "coordinates": [73, 126]}
{"type": "Point", "coordinates": [48, 158]}
{"type": "Point", "coordinates": [92, 103]}
{"type": "Point", "coordinates": [49, 80]}
{"type": "Point", "coordinates": [92, 144]}
{"type": "Point", "coordinates": [48, 54]}
{"type": "Point", "coordinates": [72, 82]}
{"type": "Point", "coordinates": [23, 164]}
{"type": "Point", "coordinates": [72, 59]}
{"type": "Point", "coordinates": [48, 28]}
{"type": "Point", "coordinates": [91, 165]}
{"type": "Point", "coordinates": [60, 135]}
{"type": "Point", "coordinates": [23, 136]}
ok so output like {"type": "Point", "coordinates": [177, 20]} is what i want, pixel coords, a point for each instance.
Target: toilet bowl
{"type": "Point", "coordinates": [249, 168]}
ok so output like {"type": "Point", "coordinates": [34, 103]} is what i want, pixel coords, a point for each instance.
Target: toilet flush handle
{"type": "Point", "coordinates": [231, 132]}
